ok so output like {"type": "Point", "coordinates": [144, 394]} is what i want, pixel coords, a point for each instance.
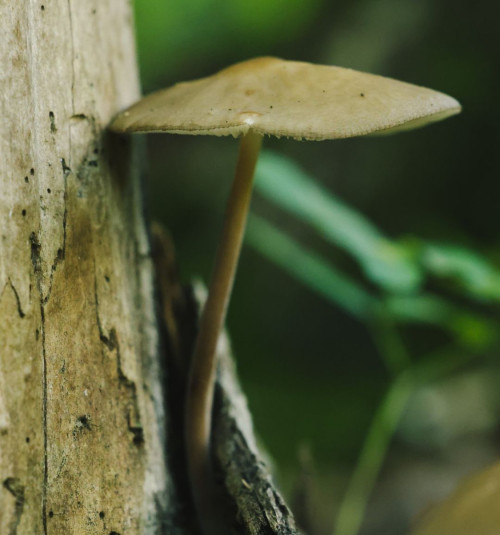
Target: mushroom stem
{"type": "Point", "coordinates": [203, 364]}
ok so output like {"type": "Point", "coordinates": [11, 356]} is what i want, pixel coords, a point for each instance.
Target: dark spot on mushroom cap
{"type": "Point", "coordinates": [361, 94]}
{"type": "Point", "coordinates": [314, 116]}
{"type": "Point", "coordinates": [27, 440]}
{"type": "Point", "coordinates": [23, 212]}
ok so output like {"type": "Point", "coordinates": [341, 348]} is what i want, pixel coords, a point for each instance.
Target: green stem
{"type": "Point", "coordinates": [390, 346]}
{"type": "Point", "coordinates": [384, 425]}
{"type": "Point", "coordinates": [200, 392]}
{"type": "Point", "coordinates": [372, 456]}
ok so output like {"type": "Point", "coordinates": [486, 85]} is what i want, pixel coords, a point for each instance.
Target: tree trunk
{"type": "Point", "coordinates": [89, 441]}
{"type": "Point", "coordinates": [81, 404]}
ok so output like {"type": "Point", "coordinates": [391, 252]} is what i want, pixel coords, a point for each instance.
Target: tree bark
{"type": "Point", "coordinates": [90, 400]}
{"type": "Point", "coordinates": [81, 405]}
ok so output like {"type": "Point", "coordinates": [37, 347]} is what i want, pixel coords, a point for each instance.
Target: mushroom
{"type": "Point", "coordinates": [265, 96]}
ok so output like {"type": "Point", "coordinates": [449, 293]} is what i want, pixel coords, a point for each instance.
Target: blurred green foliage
{"type": "Point", "coordinates": [389, 266]}
{"type": "Point", "coordinates": [212, 28]}
{"type": "Point", "coordinates": [386, 264]}
{"type": "Point", "coordinates": [373, 274]}
{"type": "Point", "coordinates": [309, 268]}
{"type": "Point", "coordinates": [397, 268]}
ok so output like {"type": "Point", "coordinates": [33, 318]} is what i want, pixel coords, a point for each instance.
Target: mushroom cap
{"type": "Point", "coordinates": [276, 97]}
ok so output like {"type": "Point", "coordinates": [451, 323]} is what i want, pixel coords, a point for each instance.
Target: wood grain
{"type": "Point", "coordinates": [82, 442]}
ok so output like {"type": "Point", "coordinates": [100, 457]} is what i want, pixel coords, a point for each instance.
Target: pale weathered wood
{"type": "Point", "coordinates": [82, 447]}
{"type": "Point", "coordinates": [84, 418]}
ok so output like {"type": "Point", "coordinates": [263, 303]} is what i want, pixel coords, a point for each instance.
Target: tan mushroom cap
{"type": "Point", "coordinates": [275, 97]}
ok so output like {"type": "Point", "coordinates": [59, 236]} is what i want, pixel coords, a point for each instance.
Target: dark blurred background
{"type": "Point", "coordinates": [319, 379]}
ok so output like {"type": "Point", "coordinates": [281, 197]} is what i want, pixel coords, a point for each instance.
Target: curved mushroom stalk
{"type": "Point", "coordinates": [265, 96]}
{"type": "Point", "coordinates": [198, 422]}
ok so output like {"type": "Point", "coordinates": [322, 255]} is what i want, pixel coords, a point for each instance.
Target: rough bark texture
{"type": "Point", "coordinates": [260, 509]}
{"type": "Point", "coordinates": [81, 403]}
{"type": "Point", "coordinates": [254, 505]}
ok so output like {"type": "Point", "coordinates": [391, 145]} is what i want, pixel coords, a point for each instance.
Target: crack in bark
{"type": "Point", "coordinates": [36, 261]}
{"type": "Point", "coordinates": [44, 411]}
{"type": "Point", "coordinates": [110, 340]}
{"type": "Point", "coordinates": [61, 252]}
{"type": "Point", "coordinates": [18, 300]}
{"type": "Point", "coordinates": [72, 65]}
{"type": "Point", "coordinates": [13, 485]}
{"type": "Point", "coordinates": [10, 284]}
{"type": "Point", "coordinates": [35, 257]}
{"type": "Point", "coordinates": [37, 268]}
